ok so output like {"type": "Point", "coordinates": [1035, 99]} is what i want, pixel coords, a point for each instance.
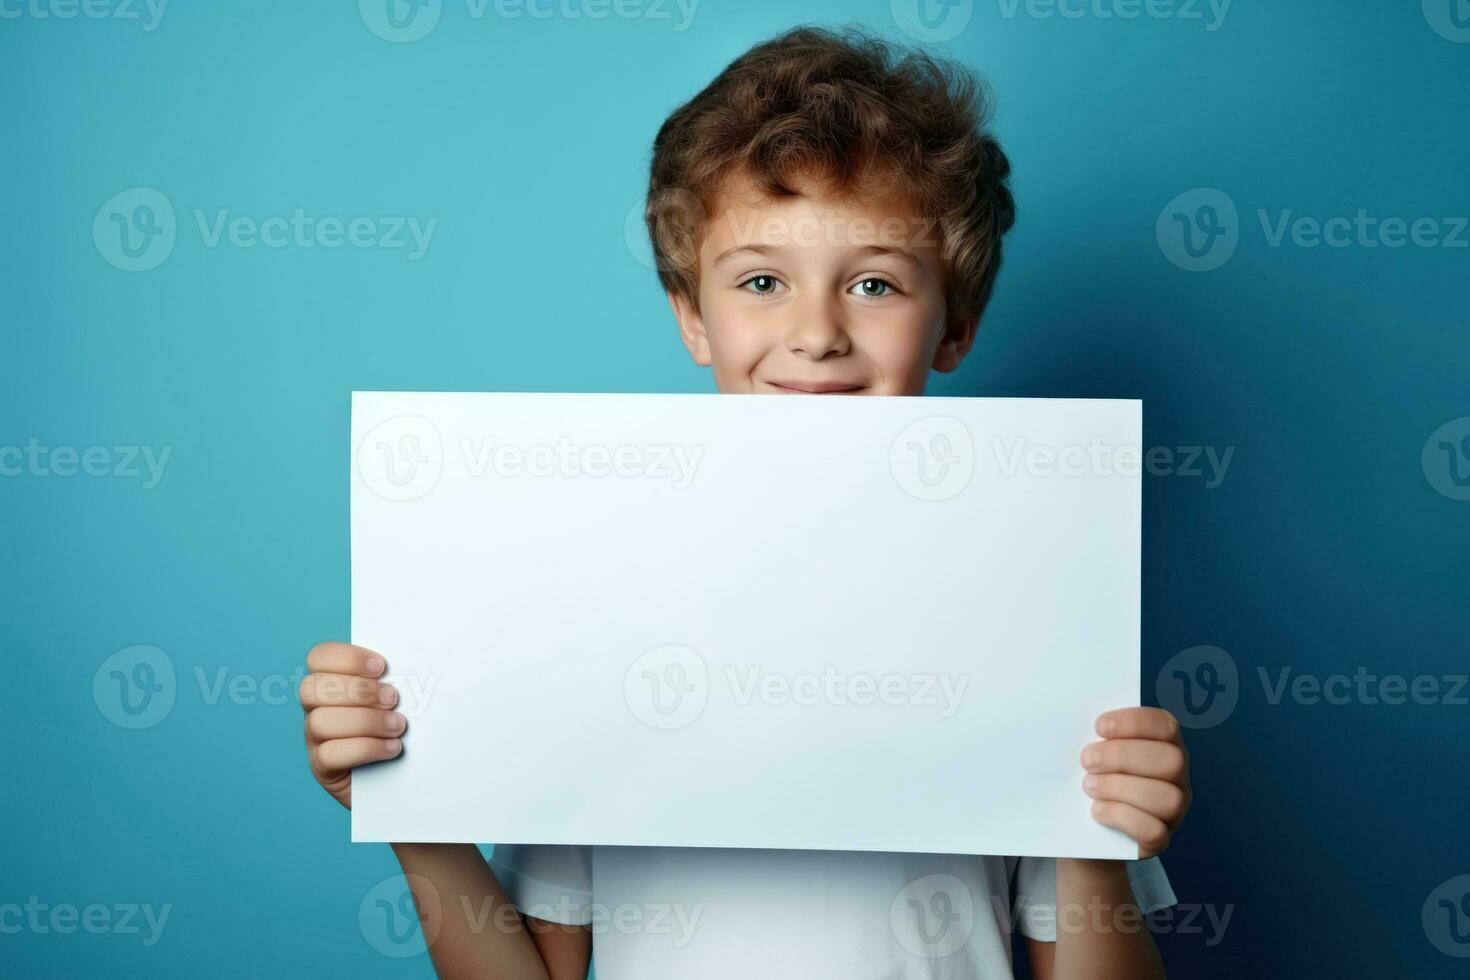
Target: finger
{"type": "Point", "coordinates": [323, 690]}
{"type": "Point", "coordinates": [344, 658]}
{"type": "Point", "coordinates": [1153, 796]}
{"type": "Point", "coordinates": [349, 753]}
{"type": "Point", "coordinates": [1139, 757]}
{"type": "Point", "coordinates": [1154, 723]}
{"type": "Point", "coordinates": [1147, 830]}
{"type": "Point", "coordinates": [323, 724]}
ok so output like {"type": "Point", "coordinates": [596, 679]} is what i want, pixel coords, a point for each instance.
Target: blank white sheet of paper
{"type": "Point", "coordinates": [837, 623]}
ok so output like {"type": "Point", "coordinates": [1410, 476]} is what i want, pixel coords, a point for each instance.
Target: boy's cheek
{"type": "Point", "coordinates": [903, 368]}
{"type": "Point", "coordinates": [733, 364]}
{"type": "Point", "coordinates": [909, 379]}
{"type": "Point", "coordinates": [733, 383]}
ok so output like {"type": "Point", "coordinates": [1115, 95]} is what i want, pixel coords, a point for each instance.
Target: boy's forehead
{"type": "Point", "coordinates": [744, 214]}
{"type": "Point", "coordinates": [741, 193]}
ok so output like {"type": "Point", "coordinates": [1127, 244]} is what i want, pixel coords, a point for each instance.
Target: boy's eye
{"type": "Point", "coordinates": [762, 285]}
{"type": "Point", "coordinates": [874, 288]}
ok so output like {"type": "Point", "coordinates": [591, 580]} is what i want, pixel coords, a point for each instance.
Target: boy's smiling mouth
{"type": "Point", "coordinates": [816, 387]}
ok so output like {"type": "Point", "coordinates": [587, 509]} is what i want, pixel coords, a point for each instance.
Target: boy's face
{"type": "Point", "coordinates": [814, 295]}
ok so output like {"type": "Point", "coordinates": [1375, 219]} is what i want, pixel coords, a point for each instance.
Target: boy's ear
{"type": "Point", "coordinates": [959, 337]}
{"type": "Point", "coordinates": [691, 329]}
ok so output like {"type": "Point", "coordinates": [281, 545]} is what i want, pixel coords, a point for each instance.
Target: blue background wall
{"type": "Point", "coordinates": [1337, 540]}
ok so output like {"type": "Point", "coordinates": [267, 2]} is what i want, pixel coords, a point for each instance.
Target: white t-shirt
{"type": "Point", "coordinates": [715, 913]}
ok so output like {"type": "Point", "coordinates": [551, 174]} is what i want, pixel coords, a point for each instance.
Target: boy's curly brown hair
{"type": "Point", "coordinates": [860, 116]}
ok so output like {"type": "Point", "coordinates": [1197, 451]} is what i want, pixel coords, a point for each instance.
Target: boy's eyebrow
{"type": "Point", "coordinates": [866, 250]}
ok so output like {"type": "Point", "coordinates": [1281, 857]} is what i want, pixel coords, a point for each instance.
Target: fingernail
{"type": "Point", "coordinates": [1097, 808]}
{"type": "Point", "coordinates": [394, 746]}
{"type": "Point", "coordinates": [397, 723]}
{"type": "Point", "coordinates": [387, 695]}
{"type": "Point", "coordinates": [375, 666]}
{"type": "Point", "coordinates": [1089, 783]}
{"type": "Point", "coordinates": [1089, 758]}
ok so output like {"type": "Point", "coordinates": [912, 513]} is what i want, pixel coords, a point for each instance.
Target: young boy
{"type": "Point", "coordinates": [789, 206]}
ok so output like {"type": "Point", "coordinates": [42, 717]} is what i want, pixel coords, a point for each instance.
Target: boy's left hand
{"type": "Point", "coordinates": [1138, 776]}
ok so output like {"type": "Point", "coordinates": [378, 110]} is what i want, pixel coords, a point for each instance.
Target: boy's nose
{"type": "Point", "coordinates": [817, 331]}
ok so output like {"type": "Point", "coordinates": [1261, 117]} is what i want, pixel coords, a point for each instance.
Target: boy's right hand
{"type": "Point", "coordinates": [350, 719]}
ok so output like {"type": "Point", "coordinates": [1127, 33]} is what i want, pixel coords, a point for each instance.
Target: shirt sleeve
{"type": "Point", "coordinates": [547, 881]}
{"type": "Point", "coordinates": [1035, 893]}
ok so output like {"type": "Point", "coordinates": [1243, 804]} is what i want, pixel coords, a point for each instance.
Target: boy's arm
{"type": "Point", "coordinates": [473, 929]}
{"type": "Point", "coordinates": [1138, 778]}
{"type": "Point", "coordinates": [1101, 931]}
